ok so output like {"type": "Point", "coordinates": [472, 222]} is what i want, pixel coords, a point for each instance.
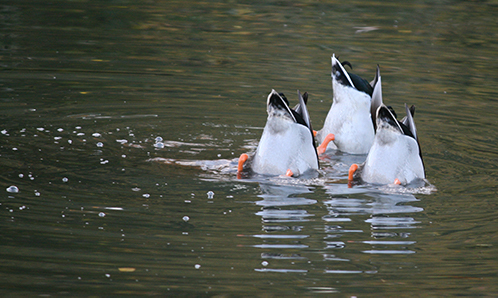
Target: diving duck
{"type": "Point", "coordinates": [351, 118]}
{"type": "Point", "coordinates": [395, 156]}
{"type": "Point", "coordinates": [287, 146]}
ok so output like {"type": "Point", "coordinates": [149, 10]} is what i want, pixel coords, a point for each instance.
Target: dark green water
{"type": "Point", "coordinates": [86, 87]}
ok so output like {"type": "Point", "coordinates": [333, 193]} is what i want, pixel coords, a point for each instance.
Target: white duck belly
{"type": "Point", "coordinates": [398, 159]}
{"type": "Point", "coordinates": [350, 121]}
{"type": "Point", "coordinates": [284, 145]}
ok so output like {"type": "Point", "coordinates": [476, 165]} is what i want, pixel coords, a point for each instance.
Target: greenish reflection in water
{"type": "Point", "coordinates": [86, 87]}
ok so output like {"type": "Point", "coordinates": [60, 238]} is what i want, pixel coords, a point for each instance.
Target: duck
{"type": "Point", "coordinates": [287, 145]}
{"type": "Point", "coordinates": [351, 118]}
{"type": "Point", "coordinates": [395, 156]}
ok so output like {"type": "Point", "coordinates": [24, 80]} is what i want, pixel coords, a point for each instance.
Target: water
{"type": "Point", "coordinates": [121, 123]}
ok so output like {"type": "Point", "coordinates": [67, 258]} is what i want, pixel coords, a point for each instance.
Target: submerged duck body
{"type": "Point", "coordinates": [287, 142]}
{"type": "Point", "coordinates": [395, 156]}
{"type": "Point", "coordinates": [350, 116]}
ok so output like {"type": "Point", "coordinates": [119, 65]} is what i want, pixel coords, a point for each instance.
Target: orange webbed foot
{"type": "Point", "coordinates": [352, 170]}
{"type": "Point", "coordinates": [242, 159]}
{"type": "Point", "coordinates": [323, 146]}
{"type": "Point", "coordinates": [397, 182]}
{"type": "Point", "coordinates": [315, 133]}
{"type": "Point", "coordinates": [289, 173]}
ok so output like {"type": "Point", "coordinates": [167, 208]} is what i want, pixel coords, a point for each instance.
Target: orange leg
{"type": "Point", "coordinates": [242, 159]}
{"type": "Point", "coordinates": [314, 133]}
{"type": "Point", "coordinates": [289, 173]}
{"type": "Point", "coordinates": [323, 146]}
{"type": "Point", "coordinates": [352, 170]}
{"type": "Point", "coordinates": [396, 181]}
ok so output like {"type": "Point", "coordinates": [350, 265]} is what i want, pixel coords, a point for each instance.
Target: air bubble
{"type": "Point", "coordinates": [100, 144]}
{"type": "Point", "coordinates": [186, 218]}
{"type": "Point", "coordinates": [12, 189]}
{"type": "Point", "coordinates": [101, 214]}
{"type": "Point", "coordinates": [65, 179]}
{"type": "Point", "coordinates": [197, 266]}
{"type": "Point", "coordinates": [210, 194]}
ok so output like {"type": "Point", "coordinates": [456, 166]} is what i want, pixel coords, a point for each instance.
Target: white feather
{"type": "Point", "coordinates": [284, 145]}
{"type": "Point", "coordinates": [393, 156]}
{"type": "Point", "coordinates": [349, 118]}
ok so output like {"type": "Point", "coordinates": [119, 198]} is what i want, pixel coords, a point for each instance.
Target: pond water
{"type": "Point", "coordinates": [121, 123]}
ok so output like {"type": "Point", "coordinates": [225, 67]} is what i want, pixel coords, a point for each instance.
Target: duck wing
{"type": "Point", "coordinates": [376, 96]}
{"type": "Point", "coordinates": [361, 84]}
{"type": "Point", "coordinates": [408, 124]}
{"type": "Point", "coordinates": [408, 120]}
{"type": "Point", "coordinates": [301, 109]}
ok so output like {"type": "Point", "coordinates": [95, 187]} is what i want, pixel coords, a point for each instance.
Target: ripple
{"type": "Point", "coordinates": [114, 208]}
{"type": "Point", "coordinates": [333, 218]}
{"type": "Point", "coordinates": [375, 242]}
{"type": "Point", "coordinates": [280, 246]}
{"type": "Point", "coordinates": [322, 290]}
{"type": "Point", "coordinates": [281, 270]}
{"type": "Point", "coordinates": [100, 116]}
{"type": "Point", "coordinates": [280, 256]}
{"type": "Point", "coordinates": [334, 244]}
{"type": "Point", "coordinates": [281, 236]}
{"type": "Point", "coordinates": [269, 202]}
{"type": "Point", "coordinates": [389, 252]}
{"type": "Point", "coordinates": [272, 215]}
{"type": "Point", "coordinates": [392, 222]}
{"type": "Point", "coordinates": [344, 271]}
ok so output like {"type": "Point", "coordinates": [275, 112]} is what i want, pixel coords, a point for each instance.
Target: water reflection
{"type": "Point", "coordinates": [281, 222]}
{"type": "Point", "coordinates": [386, 220]}
{"type": "Point", "coordinates": [283, 195]}
{"type": "Point", "coordinates": [359, 220]}
{"type": "Point", "coordinates": [85, 97]}
{"type": "Point", "coordinates": [372, 203]}
{"type": "Point", "coordinates": [318, 224]}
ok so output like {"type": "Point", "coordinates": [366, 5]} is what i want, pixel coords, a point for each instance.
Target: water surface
{"type": "Point", "coordinates": [121, 123]}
